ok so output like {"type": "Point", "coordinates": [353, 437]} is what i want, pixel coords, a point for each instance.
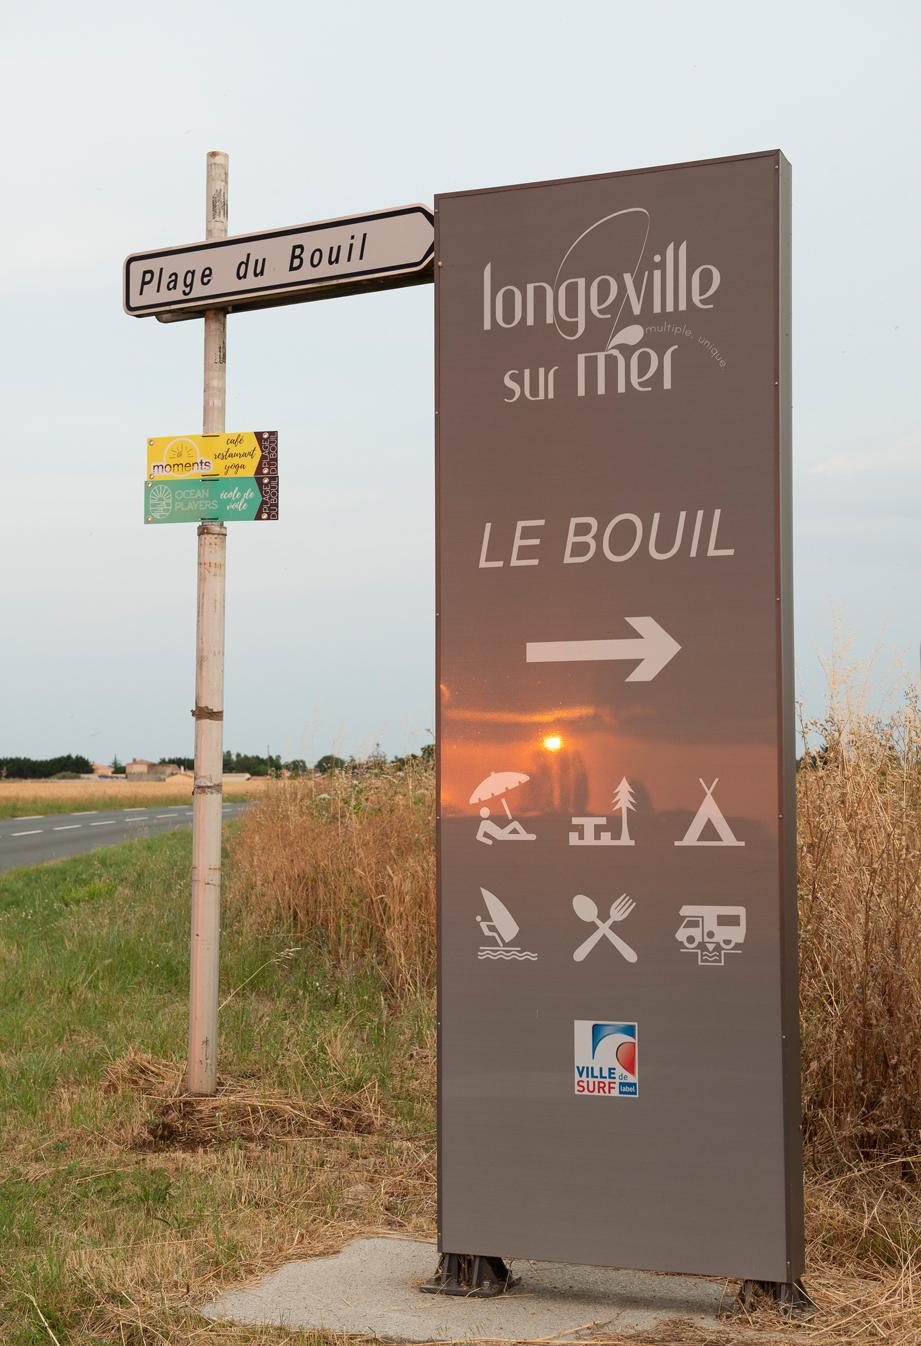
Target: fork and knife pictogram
{"type": "Point", "coordinates": [587, 910]}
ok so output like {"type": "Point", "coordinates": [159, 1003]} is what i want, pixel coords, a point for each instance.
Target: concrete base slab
{"type": "Point", "coordinates": [371, 1287]}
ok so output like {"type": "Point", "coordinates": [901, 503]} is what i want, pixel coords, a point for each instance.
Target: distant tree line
{"type": "Point", "coordinates": [43, 768]}
{"type": "Point", "coordinates": [247, 762]}
{"type": "Point", "coordinates": [250, 762]}
{"type": "Point", "coordinates": [273, 765]}
{"type": "Point", "coordinates": [33, 768]}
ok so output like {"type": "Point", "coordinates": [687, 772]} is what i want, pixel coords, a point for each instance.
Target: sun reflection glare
{"type": "Point", "coordinates": [552, 742]}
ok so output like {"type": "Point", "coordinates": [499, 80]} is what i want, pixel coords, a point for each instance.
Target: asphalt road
{"type": "Point", "coordinates": [35, 840]}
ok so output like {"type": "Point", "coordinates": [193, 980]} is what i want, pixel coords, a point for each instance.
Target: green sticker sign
{"type": "Point", "coordinates": [226, 500]}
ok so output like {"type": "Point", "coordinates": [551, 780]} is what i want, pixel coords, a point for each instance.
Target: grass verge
{"type": "Point", "coordinates": [124, 1205]}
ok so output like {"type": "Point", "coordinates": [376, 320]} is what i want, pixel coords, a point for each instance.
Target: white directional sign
{"type": "Point", "coordinates": [382, 250]}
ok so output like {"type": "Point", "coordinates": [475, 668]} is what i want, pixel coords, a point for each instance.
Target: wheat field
{"type": "Point", "coordinates": [65, 796]}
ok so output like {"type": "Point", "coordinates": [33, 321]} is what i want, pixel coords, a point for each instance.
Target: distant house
{"type": "Point", "coordinates": [138, 766]}
{"type": "Point", "coordinates": [140, 769]}
{"type": "Point", "coordinates": [102, 769]}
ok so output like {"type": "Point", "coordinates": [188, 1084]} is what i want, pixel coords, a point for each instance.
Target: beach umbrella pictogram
{"type": "Point", "coordinates": [496, 784]}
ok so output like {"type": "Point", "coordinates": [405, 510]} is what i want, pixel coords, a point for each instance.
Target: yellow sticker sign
{"type": "Point", "coordinates": [245, 453]}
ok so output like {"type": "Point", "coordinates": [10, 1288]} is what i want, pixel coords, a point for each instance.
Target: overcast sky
{"type": "Point", "coordinates": [108, 111]}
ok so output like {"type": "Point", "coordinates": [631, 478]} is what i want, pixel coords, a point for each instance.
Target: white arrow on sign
{"type": "Point", "coordinates": [654, 648]}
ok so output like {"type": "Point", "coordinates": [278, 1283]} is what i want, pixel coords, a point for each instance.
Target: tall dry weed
{"type": "Point", "coordinates": [859, 822]}
{"type": "Point", "coordinates": [347, 861]}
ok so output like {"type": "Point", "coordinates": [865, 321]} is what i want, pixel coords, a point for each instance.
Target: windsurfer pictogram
{"type": "Point", "coordinates": [502, 927]}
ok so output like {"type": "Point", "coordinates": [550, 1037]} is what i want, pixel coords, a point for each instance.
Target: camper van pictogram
{"type": "Point", "coordinates": [711, 933]}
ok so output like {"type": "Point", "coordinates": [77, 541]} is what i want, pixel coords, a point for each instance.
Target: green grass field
{"type": "Point", "coordinates": [123, 1207]}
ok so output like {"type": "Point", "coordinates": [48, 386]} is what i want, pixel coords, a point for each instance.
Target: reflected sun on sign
{"type": "Point", "coordinates": [552, 742]}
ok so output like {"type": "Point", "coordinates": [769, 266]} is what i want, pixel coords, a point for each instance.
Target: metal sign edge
{"type": "Point", "coordinates": [639, 171]}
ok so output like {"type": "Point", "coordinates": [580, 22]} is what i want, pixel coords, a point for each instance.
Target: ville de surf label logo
{"type": "Point", "coordinates": [606, 1059]}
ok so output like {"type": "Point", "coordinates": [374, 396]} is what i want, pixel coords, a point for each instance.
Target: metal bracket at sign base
{"type": "Point", "coordinates": [470, 1275]}
{"type": "Point", "coordinates": [793, 1300]}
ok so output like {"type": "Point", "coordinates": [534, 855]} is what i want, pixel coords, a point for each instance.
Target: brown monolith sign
{"type": "Point", "coordinates": [619, 1040]}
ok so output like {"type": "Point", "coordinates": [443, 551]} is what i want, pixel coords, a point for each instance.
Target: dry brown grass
{"type": "Point", "coordinates": [238, 1112]}
{"type": "Point", "coordinates": [114, 794]}
{"type": "Point", "coordinates": [346, 861]}
{"type": "Point", "coordinates": [860, 934]}
{"type": "Point", "coordinates": [859, 819]}
{"type": "Point", "coordinates": [863, 1260]}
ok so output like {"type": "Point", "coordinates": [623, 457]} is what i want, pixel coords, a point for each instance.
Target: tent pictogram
{"type": "Point", "coordinates": [709, 812]}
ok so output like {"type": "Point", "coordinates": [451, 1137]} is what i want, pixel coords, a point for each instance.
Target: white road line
{"type": "Point", "coordinates": [110, 822]}
{"type": "Point", "coordinates": [138, 808]}
{"type": "Point", "coordinates": [167, 815]}
{"type": "Point", "coordinates": [137, 820]}
{"type": "Point", "coordinates": [69, 827]}
{"type": "Point", "coordinates": [28, 817]}
{"type": "Point", "coordinates": [34, 833]}
{"type": "Point", "coordinates": [83, 812]}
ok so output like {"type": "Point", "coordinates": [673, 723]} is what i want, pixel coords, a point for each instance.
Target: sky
{"type": "Point", "coordinates": [108, 113]}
